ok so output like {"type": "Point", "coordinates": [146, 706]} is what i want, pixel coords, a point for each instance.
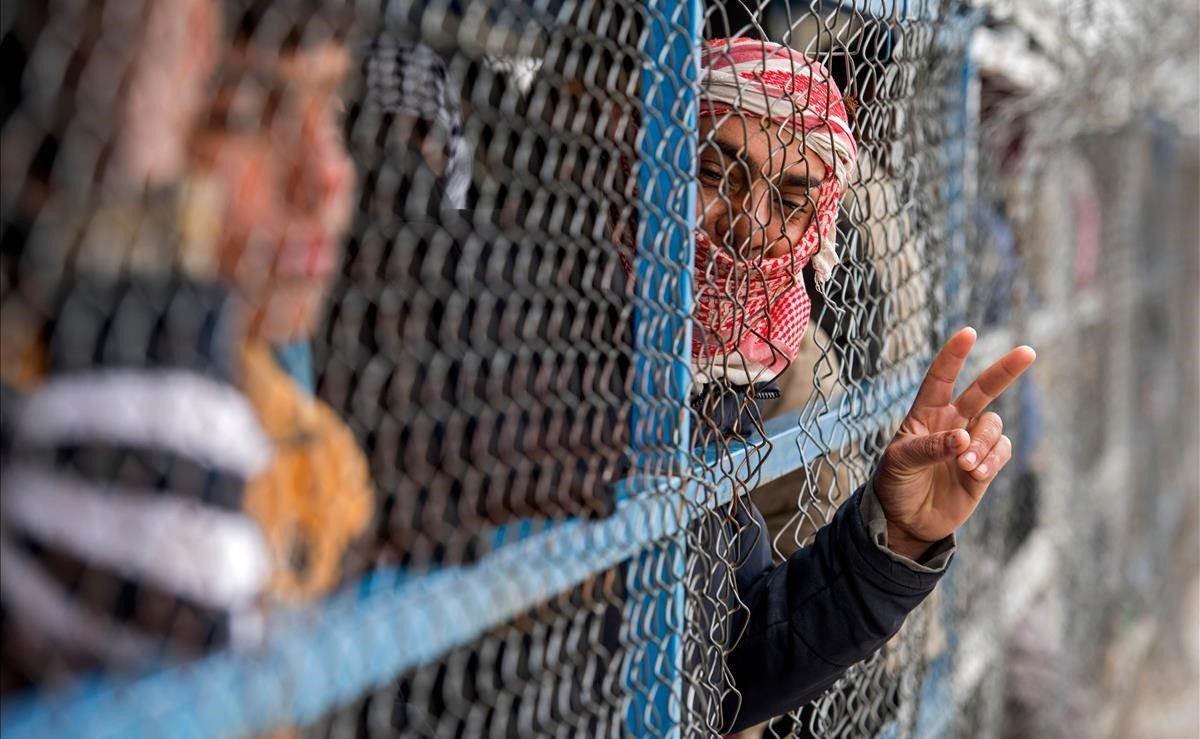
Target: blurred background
{"type": "Point", "coordinates": [348, 382]}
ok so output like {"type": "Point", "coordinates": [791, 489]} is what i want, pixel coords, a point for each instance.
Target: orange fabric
{"type": "Point", "coordinates": [316, 496]}
{"type": "Point", "coordinates": [22, 353]}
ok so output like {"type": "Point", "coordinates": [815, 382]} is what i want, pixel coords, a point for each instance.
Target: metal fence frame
{"type": "Point", "coordinates": [398, 621]}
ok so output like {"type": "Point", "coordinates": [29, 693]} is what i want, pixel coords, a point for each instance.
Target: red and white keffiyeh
{"type": "Point", "coordinates": [751, 314]}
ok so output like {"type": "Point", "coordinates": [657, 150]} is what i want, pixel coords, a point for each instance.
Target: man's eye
{"type": "Point", "coordinates": [792, 207]}
{"type": "Point", "coordinates": [711, 175]}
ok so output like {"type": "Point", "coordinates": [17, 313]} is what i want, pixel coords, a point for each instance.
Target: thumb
{"type": "Point", "coordinates": [922, 451]}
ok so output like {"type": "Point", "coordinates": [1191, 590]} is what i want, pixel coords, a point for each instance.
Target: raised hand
{"type": "Point", "coordinates": [948, 450]}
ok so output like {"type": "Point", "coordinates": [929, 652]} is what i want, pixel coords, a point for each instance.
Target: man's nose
{"type": "Point", "coordinates": [752, 213]}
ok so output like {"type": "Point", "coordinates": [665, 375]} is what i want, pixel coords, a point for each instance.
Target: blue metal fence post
{"type": "Point", "coordinates": [663, 288]}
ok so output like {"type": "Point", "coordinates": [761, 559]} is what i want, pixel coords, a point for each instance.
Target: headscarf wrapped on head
{"type": "Point", "coordinates": [751, 314]}
{"type": "Point", "coordinates": [409, 78]}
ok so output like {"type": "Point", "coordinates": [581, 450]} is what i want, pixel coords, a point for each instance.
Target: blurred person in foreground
{"type": "Point", "coordinates": [271, 143]}
{"type": "Point", "coordinates": [149, 401]}
{"type": "Point", "coordinates": [778, 153]}
{"type": "Point", "coordinates": [126, 442]}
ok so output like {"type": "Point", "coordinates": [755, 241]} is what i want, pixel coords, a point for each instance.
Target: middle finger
{"type": "Point", "coordinates": [993, 381]}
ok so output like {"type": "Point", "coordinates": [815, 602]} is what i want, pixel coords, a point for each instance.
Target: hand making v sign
{"type": "Point", "coordinates": [948, 450]}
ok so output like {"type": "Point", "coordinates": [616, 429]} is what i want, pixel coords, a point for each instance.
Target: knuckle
{"type": "Point", "coordinates": [938, 444]}
{"type": "Point", "coordinates": [989, 426]}
{"type": "Point", "coordinates": [988, 386]}
{"type": "Point", "coordinates": [999, 457]}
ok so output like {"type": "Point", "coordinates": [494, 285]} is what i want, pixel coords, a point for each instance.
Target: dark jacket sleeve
{"type": "Point", "coordinates": [806, 621]}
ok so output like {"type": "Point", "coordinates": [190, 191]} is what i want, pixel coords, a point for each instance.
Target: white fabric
{"type": "Point", "coordinates": [35, 600]}
{"type": "Point", "coordinates": [215, 557]}
{"type": "Point", "coordinates": [734, 369]}
{"type": "Point", "coordinates": [177, 411]}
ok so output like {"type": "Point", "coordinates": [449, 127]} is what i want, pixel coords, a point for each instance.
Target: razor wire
{"type": "Point", "coordinates": [353, 384]}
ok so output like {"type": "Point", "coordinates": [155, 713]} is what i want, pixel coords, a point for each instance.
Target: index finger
{"type": "Point", "coordinates": [938, 386]}
{"type": "Point", "coordinates": [994, 380]}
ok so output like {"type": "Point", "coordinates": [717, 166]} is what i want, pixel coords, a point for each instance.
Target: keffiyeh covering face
{"type": "Point", "coordinates": [751, 314]}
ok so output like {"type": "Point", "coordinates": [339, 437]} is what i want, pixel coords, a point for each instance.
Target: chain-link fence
{"type": "Point", "coordinates": [423, 368]}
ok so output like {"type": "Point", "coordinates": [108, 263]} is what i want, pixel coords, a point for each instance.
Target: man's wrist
{"type": "Point", "coordinates": [905, 544]}
{"type": "Point", "coordinates": [933, 561]}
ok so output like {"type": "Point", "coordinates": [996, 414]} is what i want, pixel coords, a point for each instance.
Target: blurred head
{"type": "Point", "coordinates": [272, 144]}
{"type": "Point", "coordinates": [166, 87]}
{"type": "Point", "coordinates": [151, 59]}
{"type": "Point", "coordinates": [776, 153]}
{"type": "Point", "coordinates": [411, 84]}
{"type": "Point", "coordinates": [99, 100]}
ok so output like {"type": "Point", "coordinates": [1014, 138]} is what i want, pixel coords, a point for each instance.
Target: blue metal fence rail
{"type": "Point", "coordinates": [403, 621]}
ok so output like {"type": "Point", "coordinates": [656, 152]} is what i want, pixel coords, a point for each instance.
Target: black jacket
{"type": "Point", "coordinates": [830, 605]}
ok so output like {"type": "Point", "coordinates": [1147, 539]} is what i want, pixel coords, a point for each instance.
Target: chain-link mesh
{"type": "Point", "coordinates": [420, 369]}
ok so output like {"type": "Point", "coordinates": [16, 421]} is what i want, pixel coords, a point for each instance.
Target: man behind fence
{"type": "Point", "coordinates": [776, 156]}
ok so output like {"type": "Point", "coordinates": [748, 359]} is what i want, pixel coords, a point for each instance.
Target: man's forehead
{"type": "Point", "coordinates": [758, 140]}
